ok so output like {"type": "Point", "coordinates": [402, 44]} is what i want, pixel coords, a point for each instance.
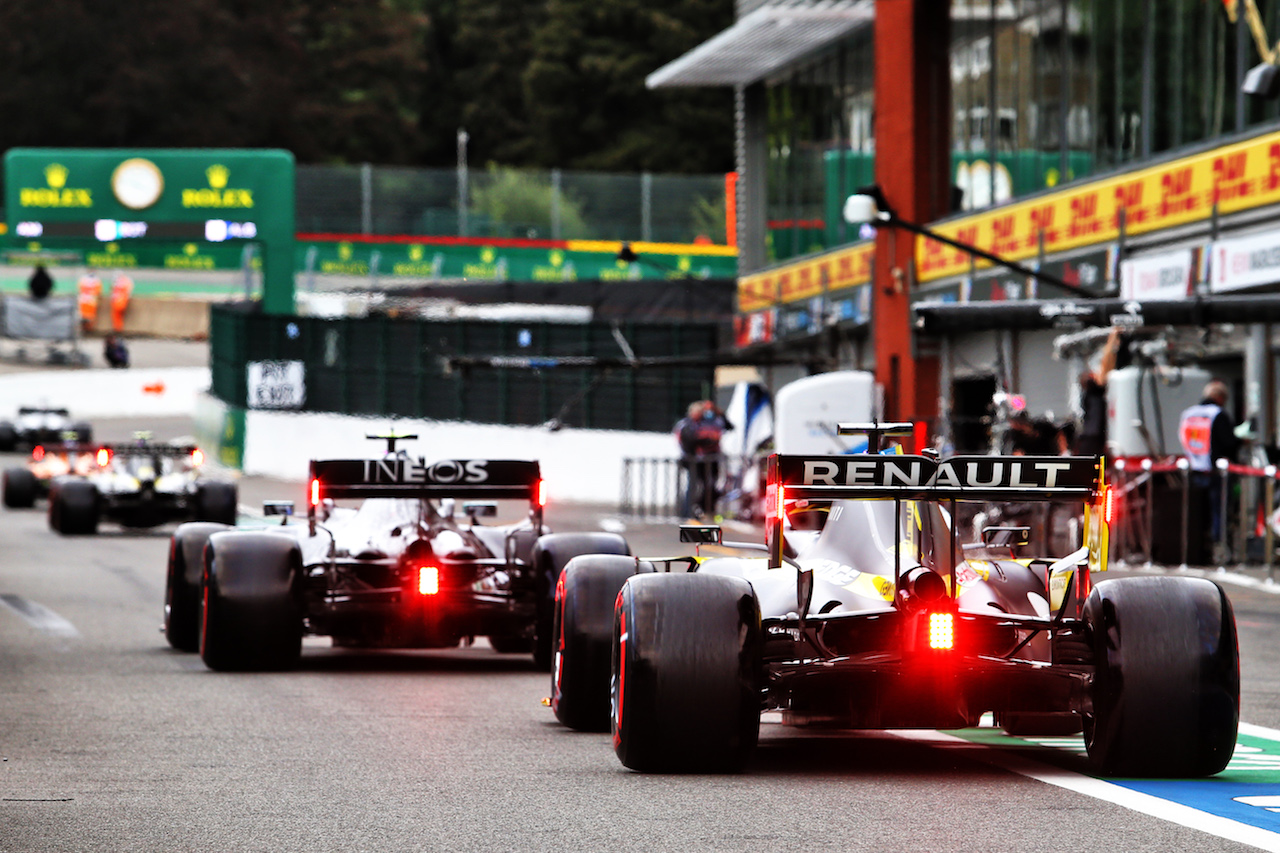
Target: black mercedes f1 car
{"type": "Point", "coordinates": [404, 568]}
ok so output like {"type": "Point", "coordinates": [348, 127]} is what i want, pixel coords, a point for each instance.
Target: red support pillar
{"type": "Point", "coordinates": [913, 168]}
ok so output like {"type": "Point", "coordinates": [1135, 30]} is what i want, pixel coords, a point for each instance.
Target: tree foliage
{"type": "Point", "coordinates": [558, 84]}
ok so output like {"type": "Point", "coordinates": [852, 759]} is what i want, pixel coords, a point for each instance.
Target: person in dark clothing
{"type": "Point", "coordinates": [115, 352]}
{"type": "Point", "coordinates": [1091, 439]}
{"type": "Point", "coordinates": [699, 434]}
{"type": "Point", "coordinates": [1207, 433]}
{"type": "Point", "coordinates": [41, 283]}
{"type": "Point", "coordinates": [1035, 436]}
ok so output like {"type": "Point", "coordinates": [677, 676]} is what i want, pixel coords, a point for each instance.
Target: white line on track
{"type": "Point", "coordinates": [1117, 794]}
{"type": "Point", "coordinates": [39, 616]}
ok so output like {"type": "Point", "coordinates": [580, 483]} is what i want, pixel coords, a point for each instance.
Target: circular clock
{"type": "Point", "coordinates": [137, 183]}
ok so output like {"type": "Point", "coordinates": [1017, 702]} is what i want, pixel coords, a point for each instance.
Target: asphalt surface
{"type": "Point", "coordinates": [110, 740]}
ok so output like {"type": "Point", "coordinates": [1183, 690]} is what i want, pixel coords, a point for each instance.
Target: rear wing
{"type": "Point", "coordinates": [403, 477]}
{"type": "Point", "coordinates": [164, 451]}
{"type": "Point", "coordinates": [904, 477]}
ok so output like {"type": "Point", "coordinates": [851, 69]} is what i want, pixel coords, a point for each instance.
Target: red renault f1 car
{"type": "Point", "coordinates": [885, 619]}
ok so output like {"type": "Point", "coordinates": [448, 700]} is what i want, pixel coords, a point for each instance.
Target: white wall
{"type": "Point", "coordinates": [578, 465]}
{"type": "Point", "coordinates": [165, 391]}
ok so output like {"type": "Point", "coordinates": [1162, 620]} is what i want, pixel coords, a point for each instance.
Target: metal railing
{"type": "Point", "coordinates": [1165, 512]}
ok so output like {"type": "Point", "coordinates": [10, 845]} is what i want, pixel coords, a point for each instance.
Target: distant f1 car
{"type": "Point", "coordinates": [41, 425]}
{"type": "Point", "coordinates": [403, 569]}
{"type": "Point", "coordinates": [885, 620]}
{"type": "Point", "coordinates": [22, 486]}
{"type": "Point", "coordinates": [140, 484]}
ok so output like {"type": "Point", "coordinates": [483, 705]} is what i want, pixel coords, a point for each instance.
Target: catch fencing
{"type": "Point", "coordinates": [520, 372]}
{"type": "Point", "coordinates": [554, 204]}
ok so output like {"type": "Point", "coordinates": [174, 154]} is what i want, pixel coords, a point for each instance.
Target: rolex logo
{"type": "Point", "coordinates": [344, 251]}
{"type": "Point", "coordinates": [487, 255]}
{"type": "Point", "coordinates": [218, 176]}
{"type": "Point", "coordinates": [56, 175]}
{"type": "Point", "coordinates": [415, 253]}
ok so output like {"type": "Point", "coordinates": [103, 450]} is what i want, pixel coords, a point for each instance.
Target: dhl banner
{"type": "Point", "coordinates": [1237, 177]}
{"type": "Point", "coordinates": [805, 279]}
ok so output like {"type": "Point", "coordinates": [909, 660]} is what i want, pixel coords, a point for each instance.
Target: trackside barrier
{"type": "Point", "coordinates": [661, 486]}
{"type": "Point", "coordinates": [1146, 519]}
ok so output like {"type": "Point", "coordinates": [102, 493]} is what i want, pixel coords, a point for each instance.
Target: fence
{"type": "Point", "coordinates": [380, 365]}
{"type": "Point", "coordinates": [511, 203]}
{"type": "Point", "coordinates": [1156, 497]}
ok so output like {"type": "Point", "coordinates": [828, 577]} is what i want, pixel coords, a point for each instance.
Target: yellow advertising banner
{"type": "Point", "coordinates": [805, 279]}
{"type": "Point", "coordinates": [1237, 177]}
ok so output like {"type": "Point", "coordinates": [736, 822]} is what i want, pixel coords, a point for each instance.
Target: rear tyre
{"type": "Point", "coordinates": [73, 508]}
{"type": "Point", "coordinates": [251, 616]}
{"type": "Point", "coordinates": [19, 488]}
{"type": "Point", "coordinates": [182, 584]}
{"type": "Point", "coordinates": [8, 436]}
{"type": "Point", "coordinates": [686, 675]}
{"type": "Point", "coordinates": [83, 431]}
{"type": "Point", "coordinates": [583, 638]}
{"type": "Point", "coordinates": [216, 501]}
{"type": "Point", "coordinates": [1166, 688]}
{"type": "Point", "coordinates": [551, 554]}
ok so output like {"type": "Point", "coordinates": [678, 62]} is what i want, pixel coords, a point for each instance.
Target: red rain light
{"type": "Point", "coordinates": [542, 493]}
{"type": "Point", "coordinates": [315, 492]}
{"type": "Point", "coordinates": [197, 457]}
{"type": "Point", "coordinates": [780, 511]}
{"type": "Point", "coordinates": [942, 634]}
{"type": "Point", "coordinates": [1108, 506]}
{"type": "Point", "coordinates": [428, 580]}
{"type": "Point", "coordinates": [38, 453]}
{"type": "Point", "coordinates": [104, 456]}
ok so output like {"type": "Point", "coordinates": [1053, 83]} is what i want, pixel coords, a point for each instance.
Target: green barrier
{"type": "Point", "coordinates": [390, 260]}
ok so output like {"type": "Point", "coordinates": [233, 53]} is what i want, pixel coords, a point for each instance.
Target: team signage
{"type": "Point", "coordinates": [1235, 177]}
{"type": "Point", "coordinates": [1163, 276]}
{"type": "Point", "coordinates": [889, 473]}
{"type": "Point", "coordinates": [806, 279]}
{"type": "Point", "coordinates": [1245, 262]}
{"type": "Point", "coordinates": [403, 475]}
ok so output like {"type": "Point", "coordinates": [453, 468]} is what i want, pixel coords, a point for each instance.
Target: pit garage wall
{"type": "Point", "coordinates": [579, 466]}
{"type": "Point", "coordinates": [1021, 359]}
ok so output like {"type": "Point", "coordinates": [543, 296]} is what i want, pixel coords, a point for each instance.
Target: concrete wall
{"type": "Point", "coordinates": [159, 392]}
{"type": "Point", "coordinates": [159, 317]}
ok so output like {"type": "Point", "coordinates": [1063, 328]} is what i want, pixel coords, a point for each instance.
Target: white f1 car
{"type": "Point", "coordinates": [406, 568]}
{"type": "Point", "coordinates": [885, 620]}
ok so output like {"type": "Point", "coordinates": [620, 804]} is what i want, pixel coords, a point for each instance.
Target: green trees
{"type": "Point", "coordinates": [558, 84]}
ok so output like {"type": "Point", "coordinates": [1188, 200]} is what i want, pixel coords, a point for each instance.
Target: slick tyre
{"type": "Point", "coordinates": [73, 508]}
{"type": "Point", "coordinates": [551, 553]}
{"type": "Point", "coordinates": [8, 436]}
{"type": "Point", "coordinates": [583, 637]}
{"type": "Point", "coordinates": [182, 584]}
{"type": "Point", "coordinates": [686, 673]}
{"type": "Point", "coordinates": [19, 488]}
{"type": "Point", "coordinates": [1166, 688]}
{"type": "Point", "coordinates": [251, 616]}
{"type": "Point", "coordinates": [216, 502]}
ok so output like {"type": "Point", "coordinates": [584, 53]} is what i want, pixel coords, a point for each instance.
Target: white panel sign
{"type": "Point", "coordinates": [1164, 276]}
{"type": "Point", "coordinates": [1245, 262]}
{"type": "Point", "coordinates": [276, 384]}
